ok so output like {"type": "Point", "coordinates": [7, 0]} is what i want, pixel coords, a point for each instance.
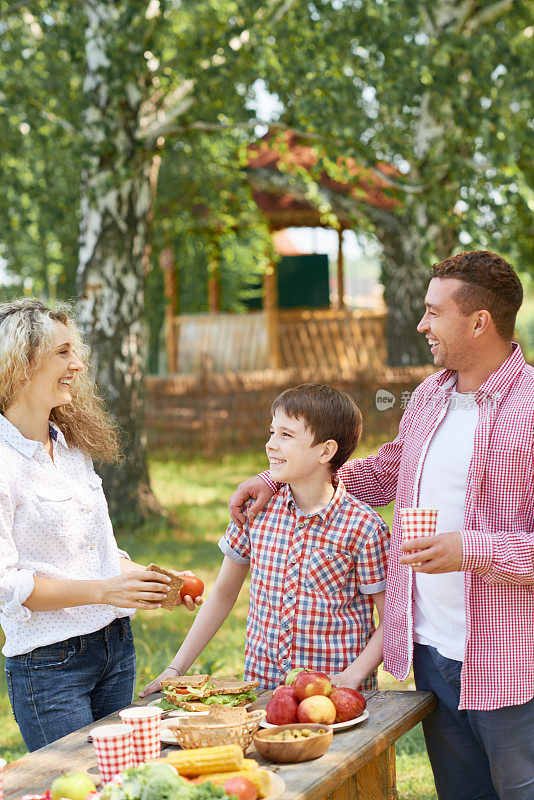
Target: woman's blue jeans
{"type": "Point", "coordinates": [475, 755]}
{"type": "Point", "coordinates": [57, 689]}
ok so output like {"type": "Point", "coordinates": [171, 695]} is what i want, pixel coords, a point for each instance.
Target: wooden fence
{"type": "Point", "coordinates": [325, 339]}
{"type": "Point", "coordinates": [212, 413]}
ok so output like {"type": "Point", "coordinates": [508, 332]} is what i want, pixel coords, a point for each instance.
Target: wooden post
{"type": "Point", "coordinates": [166, 262]}
{"type": "Point", "coordinates": [270, 306]}
{"type": "Point", "coordinates": [214, 279]}
{"type": "Point", "coordinates": [340, 272]}
{"type": "Point", "coordinates": [376, 780]}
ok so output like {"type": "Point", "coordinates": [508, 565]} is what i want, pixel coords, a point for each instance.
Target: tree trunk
{"type": "Point", "coordinates": [115, 206]}
{"type": "Point", "coordinates": [405, 275]}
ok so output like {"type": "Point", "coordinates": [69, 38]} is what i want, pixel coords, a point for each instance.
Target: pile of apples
{"type": "Point", "coordinates": [309, 696]}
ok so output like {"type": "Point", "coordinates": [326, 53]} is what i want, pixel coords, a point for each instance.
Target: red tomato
{"type": "Point", "coordinates": [241, 787]}
{"type": "Point", "coordinates": [193, 586]}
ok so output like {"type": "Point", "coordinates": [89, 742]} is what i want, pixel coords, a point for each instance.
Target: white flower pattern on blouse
{"type": "Point", "coordinates": [54, 523]}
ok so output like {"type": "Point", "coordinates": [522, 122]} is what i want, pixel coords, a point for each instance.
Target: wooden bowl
{"type": "Point", "coordinates": [285, 752]}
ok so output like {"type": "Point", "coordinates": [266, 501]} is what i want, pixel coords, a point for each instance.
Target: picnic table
{"type": "Point", "coordinates": [359, 765]}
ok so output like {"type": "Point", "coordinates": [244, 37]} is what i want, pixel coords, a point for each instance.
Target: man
{"type": "Point", "coordinates": [461, 603]}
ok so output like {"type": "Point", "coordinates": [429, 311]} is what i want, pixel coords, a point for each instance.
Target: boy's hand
{"type": "Point", "coordinates": [155, 685]}
{"type": "Point", "coordinates": [345, 679]}
{"type": "Point", "coordinates": [253, 487]}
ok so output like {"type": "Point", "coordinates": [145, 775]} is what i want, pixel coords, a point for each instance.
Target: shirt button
{"type": "Point", "coordinates": [285, 626]}
{"type": "Point", "coordinates": [285, 661]}
{"type": "Point", "coordinates": [330, 557]}
{"type": "Point", "coordinates": [290, 595]}
{"type": "Point", "coordinates": [292, 560]}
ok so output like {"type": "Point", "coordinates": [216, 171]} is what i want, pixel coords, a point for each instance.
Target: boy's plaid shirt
{"type": "Point", "coordinates": [498, 533]}
{"type": "Point", "coordinates": [311, 583]}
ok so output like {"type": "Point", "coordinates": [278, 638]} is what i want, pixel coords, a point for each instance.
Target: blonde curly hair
{"type": "Point", "coordinates": [26, 329]}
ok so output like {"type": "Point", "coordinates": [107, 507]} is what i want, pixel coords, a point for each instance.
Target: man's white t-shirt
{"type": "Point", "coordinates": [439, 603]}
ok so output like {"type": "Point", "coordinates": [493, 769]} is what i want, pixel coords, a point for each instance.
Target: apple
{"type": "Point", "coordinates": [241, 787]}
{"type": "Point", "coordinates": [72, 785]}
{"type": "Point", "coordinates": [349, 703]}
{"type": "Point", "coordinates": [282, 707]}
{"type": "Point", "coordinates": [283, 689]}
{"type": "Point", "coordinates": [307, 684]}
{"type": "Point", "coordinates": [317, 708]}
{"type": "Point", "coordinates": [292, 674]}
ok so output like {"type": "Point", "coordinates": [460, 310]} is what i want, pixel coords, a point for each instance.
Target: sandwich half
{"type": "Point", "coordinates": [228, 692]}
{"type": "Point", "coordinates": [184, 691]}
{"type": "Point", "coordinates": [195, 692]}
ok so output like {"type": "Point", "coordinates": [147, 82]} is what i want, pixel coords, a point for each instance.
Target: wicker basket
{"type": "Point", "coordinates": [201, 733]}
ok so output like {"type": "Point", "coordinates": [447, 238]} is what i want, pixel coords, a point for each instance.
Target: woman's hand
{"type": "Point", "coordinates": [186, 600]}
{"type": "Point", "coordinates": [136, 589]}
{"type": "Point", "coordinates": [155, 685]}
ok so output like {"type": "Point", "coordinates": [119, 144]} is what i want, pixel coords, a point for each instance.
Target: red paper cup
{"type": "Point", "coordinates": [2, 765]}
{"type": "Point", "coordinates": [416, 522]}
{"type": "Point", "coordinates": [114, 749]}
{"type": "Point", "coordinates": [146, 724]}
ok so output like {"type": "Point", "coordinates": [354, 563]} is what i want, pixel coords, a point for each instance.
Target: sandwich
{"type": "Point", "coordinates": [174, 586]}
{"type": "Point", "coordinates": [198, 692]}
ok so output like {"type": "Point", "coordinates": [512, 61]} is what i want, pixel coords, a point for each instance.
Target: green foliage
{"type": "Point", "coordinates": [40, 78]}
{"type": "Point", "coordinates": [359, 76]}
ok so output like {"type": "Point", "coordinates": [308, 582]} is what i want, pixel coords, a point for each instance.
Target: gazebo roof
{"type": "Point", "coordinates": [290, 151]}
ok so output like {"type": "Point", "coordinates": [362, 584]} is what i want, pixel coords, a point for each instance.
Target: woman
{"type": "Point", "coordinates": [66, 590]}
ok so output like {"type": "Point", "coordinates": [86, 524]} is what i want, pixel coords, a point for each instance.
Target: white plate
{"type": "Point", "coordinates": [337, 726]}
{"type": "Point", "coordinates": [168, 737]}
{"type": "Point", "coordinates": [278, 787]}
{"type": "Point", "coordinates": [180, 712]}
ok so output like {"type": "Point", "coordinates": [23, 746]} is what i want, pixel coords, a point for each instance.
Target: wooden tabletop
{"type": "Point", "coordinates": [391, 714]}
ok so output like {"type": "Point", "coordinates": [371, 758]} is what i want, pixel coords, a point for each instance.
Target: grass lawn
{"type": "Point", "coordinates": [195, 492]}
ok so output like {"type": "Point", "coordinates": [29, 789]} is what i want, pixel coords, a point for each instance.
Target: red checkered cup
{"type": "Point", "coordinates": [2, 765]}
{"type": "Point", "coordinates": [146, 724]}
{"type": "Point", "coordinates": [114, 749]}
{"type": "Point", "coordinates": [416, 522]}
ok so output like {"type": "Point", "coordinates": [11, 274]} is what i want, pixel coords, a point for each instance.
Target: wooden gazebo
{"type": "Point", "coordinates": [274, 338]}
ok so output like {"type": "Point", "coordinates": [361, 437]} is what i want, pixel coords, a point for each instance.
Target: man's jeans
{"type": "Point", "coordinates": [475, 755]}
{"type": "Point", "coordinates": [57, 689]}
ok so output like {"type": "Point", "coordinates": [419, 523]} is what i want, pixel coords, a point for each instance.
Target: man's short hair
{"type": "Point", "coordinates": [328, 413]}
{"type": "Point", "coordinates": [489, 283]}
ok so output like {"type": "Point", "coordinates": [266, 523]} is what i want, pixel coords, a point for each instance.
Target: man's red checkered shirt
{"type": "Point", "coordinates": [498, 532]}
{"type": "Point", "coordinates": [312, 578]}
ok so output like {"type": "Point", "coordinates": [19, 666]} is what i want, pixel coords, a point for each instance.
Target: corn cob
{"type": "Point", "coordinates": [259, 777]}
{"type": "Point", "coordinates": [201, 760]}
{"type": "Point", "coordinates": [249, 763]}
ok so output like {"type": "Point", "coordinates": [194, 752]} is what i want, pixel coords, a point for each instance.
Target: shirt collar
{"type": "Point", "coordinates": [323, 513]}
{"type": "Point", "coordinates": [57, 435]}
{"type": "Point", "coordinates": [495, 386]}
{"type": "Point", "coordinates": [10, 434]}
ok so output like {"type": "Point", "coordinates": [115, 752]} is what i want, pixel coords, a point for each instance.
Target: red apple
{"type": "Point", "coordinates": [318, 709]}
{"type": "Point", "coordinates": [283, 689]}
{"type": "Point", "coordinates": [307, 684]}
{"type": "Point", "coordinates": [282, 707]}
{"type": "Point", "coordinates": [240, 787]}
{"type": "Point", "coordinates": [349, 703]}
{"type": "Point", "coordinates": [292, 674]}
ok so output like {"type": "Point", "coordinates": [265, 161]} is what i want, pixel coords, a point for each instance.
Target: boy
{"type": "Point", "coordinates": [317, 556]}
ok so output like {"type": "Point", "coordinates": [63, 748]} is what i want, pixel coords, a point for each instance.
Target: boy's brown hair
{"type": "Point", "coordinates": [489, 282]}
{"type": "Point", "coordinates": [328, 413]}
